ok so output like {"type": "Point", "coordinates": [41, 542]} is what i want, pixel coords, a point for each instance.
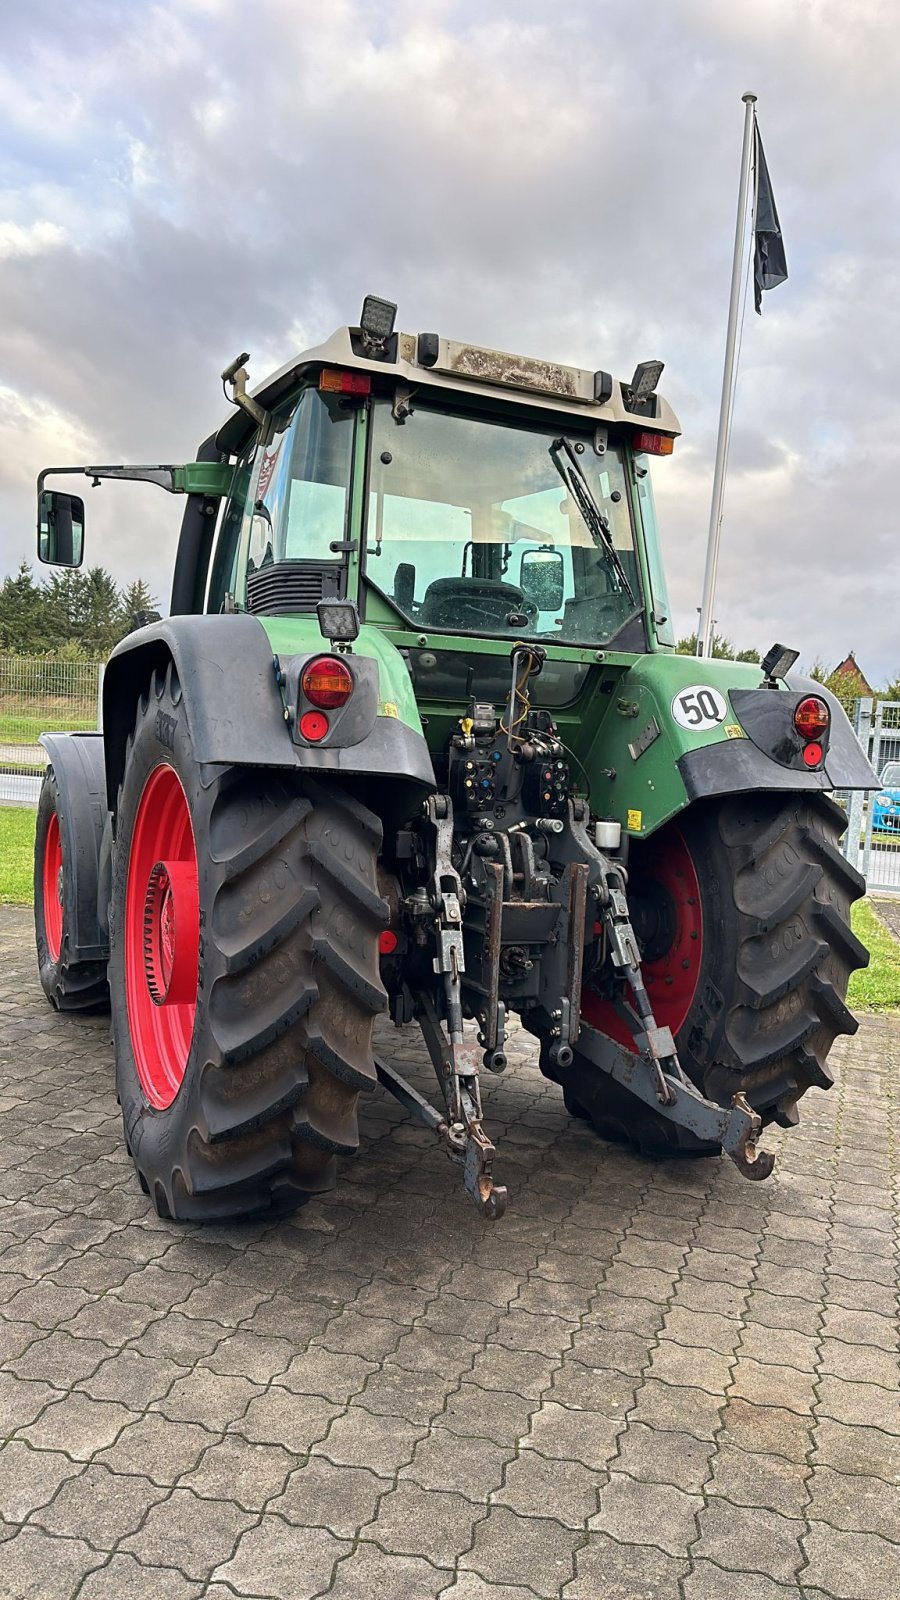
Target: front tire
{"type": "Point", "coordinates": [244, 971]}
{"type": "Point", "coordinates": [751, 951]}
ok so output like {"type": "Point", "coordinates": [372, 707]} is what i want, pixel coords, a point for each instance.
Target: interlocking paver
{"type": "Point", "coordinates": [660, 1456]}
{"type": "Point", "coordinates": [511, 1549]}
{"type": "Point", "coordinates": [77, 1424]}
{"type": "Point", "coordinates": [537, 1486]}
{"type": "Point", "coordinates": [99, 1506]}
{"type": "Point", "coordinates": [190, 1532]}
{"type": "Point", "coordinates": [631, 1509]}
{"type": "Point", "coordinates": [124, 1578]}
{"type": "Point", "coordinates": [341, 1499]}
{"type": "Point", "coordinates": [647, 1380]}
{"type": "Point", "coordinates": [383, 1443]}
{"type": "Point", "coordinates": [616, 1571]}
{"type": "Point", "coordinates": [241, 1470]}
{"type": "Point", "coordinates": [750, 1540]}
{"type": "Point", "coordinates": [29, 1478]}
{"type": "Point", "coordinates": [370, 1572]}
{"type": "Point", "coordinates": [39, 1567]}
{"type": "Point", "coordinates": [855, 1503]}
{"type": "Point", "coordinates": [850, 1566]}
{"type": "Point", "coordinates": [747, 1479]}
{"type": "Point", "coordinates": [443, 1460]}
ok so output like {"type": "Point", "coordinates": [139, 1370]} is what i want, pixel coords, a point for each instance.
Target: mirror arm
{"type": "Point", "coordinates": [165, 477]}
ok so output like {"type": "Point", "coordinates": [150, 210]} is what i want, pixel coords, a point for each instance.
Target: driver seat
{"type": "Point", "coordinates": [441, 600]}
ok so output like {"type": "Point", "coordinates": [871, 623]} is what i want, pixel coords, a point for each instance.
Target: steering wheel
{"type": "Point", "coordinates": [472, 603]}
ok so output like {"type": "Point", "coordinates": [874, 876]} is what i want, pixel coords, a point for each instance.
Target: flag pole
{"type": "Point", "coordinates": [705, 624]}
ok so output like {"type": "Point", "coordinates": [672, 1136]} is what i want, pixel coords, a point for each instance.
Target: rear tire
{"type": "Point", "coordinates": [261, 1077]}
{"type": "Point", "coordinates": [69, 985]}
{"type": "Point", "coordinates": [775, 956]}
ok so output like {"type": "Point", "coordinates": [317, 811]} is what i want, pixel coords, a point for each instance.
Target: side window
{"type": "Point", "coordinates": [665, 628]}
{"type": "Point", "coordinates": [223, 579]}
{"type": "Point", "coordinates": [304, 483]}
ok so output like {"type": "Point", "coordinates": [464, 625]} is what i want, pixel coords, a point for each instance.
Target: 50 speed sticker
{"type": "Point", "coordinates": [699, 707]}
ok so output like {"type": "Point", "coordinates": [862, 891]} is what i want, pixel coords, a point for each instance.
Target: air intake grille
{"type": "Point", "coordinates": [285, 587]}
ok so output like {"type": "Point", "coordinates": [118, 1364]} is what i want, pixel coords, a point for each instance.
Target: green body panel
{"type": "Point", "coordinates": [210, 478]}
{"type": "Point", "coordinates": [299, 635]}
{"type": "Point", "coordinates": [650, 788]}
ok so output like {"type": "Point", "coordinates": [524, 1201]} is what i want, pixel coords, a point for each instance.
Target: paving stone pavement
{"type": "Point", "coordinates": [646, 1381]}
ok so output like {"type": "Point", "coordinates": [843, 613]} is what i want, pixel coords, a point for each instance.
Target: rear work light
{"type": "Point", "coordinates": [334, 381]}
{"type": "Point", "coordinates": [811, 718]}
{"type": "Point", "coordinates": [653, 444]}
{"type": "Point", "coordinates": [326, 683]}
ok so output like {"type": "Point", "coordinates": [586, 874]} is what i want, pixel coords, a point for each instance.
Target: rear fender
{"type": "Point", "coordinates": [647, 762]}
{"type": "Point", "coordinates": [78, 767]}
{"type": "Point", "coordinates": [234, 708]}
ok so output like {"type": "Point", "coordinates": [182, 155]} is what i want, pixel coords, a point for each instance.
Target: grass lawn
{"type": "Point", "coordinates": [16, 854]}
{"type": "Point", "coordinates": [875, 989]}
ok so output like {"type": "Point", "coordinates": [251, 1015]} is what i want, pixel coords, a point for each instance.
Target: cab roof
{"type": "Point", "coordinates": [451, 367]}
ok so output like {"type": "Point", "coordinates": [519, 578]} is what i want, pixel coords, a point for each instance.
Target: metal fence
{"type": "Point", "coordinates": [39, 694]}
{"type": "Point", "coordinates": [872, 840]}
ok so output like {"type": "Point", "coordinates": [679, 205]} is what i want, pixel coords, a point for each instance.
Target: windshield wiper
{"type": "Point", "coordinates": [596, 523]}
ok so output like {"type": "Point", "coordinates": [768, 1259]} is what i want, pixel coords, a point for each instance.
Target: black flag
{"type": "Point", "coordinates": [769, 260]}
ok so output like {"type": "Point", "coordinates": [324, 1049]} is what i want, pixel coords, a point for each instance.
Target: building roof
{"type": "Point", "coordinates": [850, 668]}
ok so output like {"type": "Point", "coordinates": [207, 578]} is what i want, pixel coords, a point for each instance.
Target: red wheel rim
{"type": "Point", "coordinates": [162, 937]}
{"type": "Point", "coordinates": [53, 888]}
{"type": "Point", "coordinates": [663, 861]}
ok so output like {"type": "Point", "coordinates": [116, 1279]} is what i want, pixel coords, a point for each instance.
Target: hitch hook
{"type": "Point", "coordinates": [752, 1162]}
{"type": "Point", "coordinates": [478, 1174]}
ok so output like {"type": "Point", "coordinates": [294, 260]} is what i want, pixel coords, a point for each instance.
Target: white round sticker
{"type": "Point", "coordinates": [699, 707]}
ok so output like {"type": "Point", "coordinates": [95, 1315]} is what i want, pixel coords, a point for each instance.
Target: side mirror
{"type": "Point", "coordinates": [541, 578]}
{"type": "Point", "coordinates": [60, 528]}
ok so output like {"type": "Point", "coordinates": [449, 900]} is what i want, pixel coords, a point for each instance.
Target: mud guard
{"type": "Point", "coordinates": [771, 755]}
{"type": "Point", "coordinates": [79, 769]}
{"type": "Point", "coordinates": [234, 709]}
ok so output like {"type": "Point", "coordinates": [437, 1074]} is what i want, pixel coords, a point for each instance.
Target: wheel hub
{"type": "Point", "coordinates": [171, 911]}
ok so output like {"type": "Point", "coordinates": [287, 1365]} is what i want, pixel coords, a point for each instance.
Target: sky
{"type": "Point", "coordinates": [184, 180]}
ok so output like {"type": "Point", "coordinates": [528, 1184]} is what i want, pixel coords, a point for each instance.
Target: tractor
{"type": "Point", "coordinates": [415, 738]}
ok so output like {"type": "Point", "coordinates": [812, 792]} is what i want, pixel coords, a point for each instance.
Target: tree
{"type": "Point", "coordinates": [134, 601]}
{"type": "Point", "coordinates": [721, 647]}
{"type": "Point", "coordinates": [102, 613]}
{"type": "Point", "coordinates": [846, 686]}
{"type": "Point", "coordinates": [21, 607]}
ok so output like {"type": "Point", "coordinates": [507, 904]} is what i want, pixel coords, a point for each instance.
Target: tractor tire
{"type": "Point", "coordinates": [748, 951]}
{"type": "Point", "coordinates": [245, 922]}
{"type": "Point", "coordinates": [69, 985]}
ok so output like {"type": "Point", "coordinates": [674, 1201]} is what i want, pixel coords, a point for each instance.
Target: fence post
{"type": "Point", "coordinates": [875, 756]}
{"type": "Point", "coordinates": [862, 727]}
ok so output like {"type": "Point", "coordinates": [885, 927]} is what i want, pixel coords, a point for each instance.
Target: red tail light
{"type": "Point", "coordinates": [812, 717]}
{"type": "Point", "coordinates": [653, 444]}
{"type": "Point", "coordinates": [326, 683]}
{"type": "Point", "coordinates": [333, 381]}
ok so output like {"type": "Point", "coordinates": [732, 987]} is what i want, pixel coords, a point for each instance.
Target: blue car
{"type": "Point", "coordinates": [886, 804]}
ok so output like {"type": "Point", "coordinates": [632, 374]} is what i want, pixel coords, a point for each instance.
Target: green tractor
{"type": "Point", "coordinates": [415, 738]}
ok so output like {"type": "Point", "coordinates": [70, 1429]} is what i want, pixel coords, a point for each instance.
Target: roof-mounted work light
{"type": "Point", "coordinates": [376, 323]}
{"type": "Point", "coordinates": [778, 662]}
{"type": "Point", "coordinates": [643, 385]}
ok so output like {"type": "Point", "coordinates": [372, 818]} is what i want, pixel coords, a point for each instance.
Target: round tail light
{"type": "Point", "coordinates": [811, 717]}
{"type": "Point", "coordinates": [326, 683]}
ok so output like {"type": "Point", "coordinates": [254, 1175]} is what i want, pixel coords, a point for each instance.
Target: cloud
{"type": "Point", "coordinates": [18, 240]}
{"type": "Point", "coordinates": [190, 179]}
